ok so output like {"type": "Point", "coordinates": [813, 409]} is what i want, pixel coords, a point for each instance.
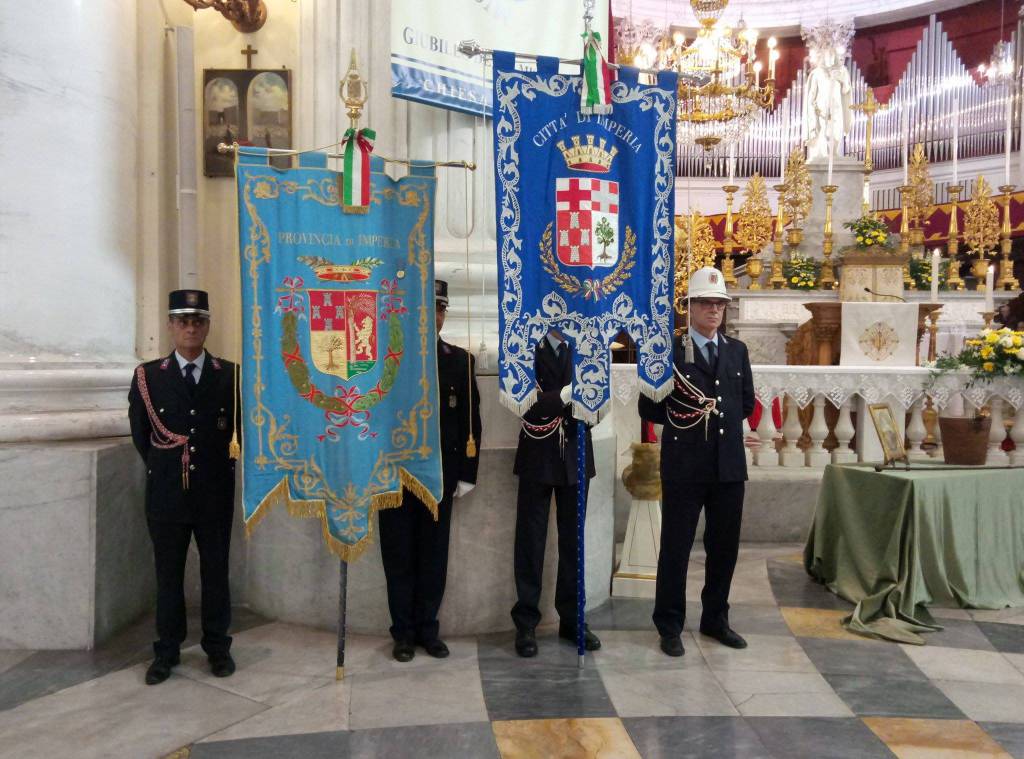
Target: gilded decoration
{"type": "Point", "coordinates": [754, 228]}
{"type": "Point", "coordinates": [796, 195]}
{"type": "Point", "coordinates": [981, 220]}
{"type": "Point", "coordinates": [920, 199]}
{"type": "Point", "coordinates": [696, 228]}
{"type": "Point", "coordinates": [277, 446]}
{"type": "Point", "coordinates": [879, 341]}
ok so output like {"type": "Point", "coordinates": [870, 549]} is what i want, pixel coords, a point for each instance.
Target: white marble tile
{"type": "Point", "coordinates": [764, 653]}
{"type": "Point", "coordinates": [750, 583]}
{"type": "Point", "coordinates": [274, 662]}
{"type": "Point", "coordinates": [1017, 660]}
{"type": "Point", "coordinates": [1012, 615]}
{"type": "Point", "coordinates": [985, 702]}
{"type": "Point", "coordinates": [782, 694]}
{"type": "Point", "coordinates": [940, 663]}
{"type": "Point", "coordinates": [321, 709]}
{"type": "Point", "coordinates": [119, 715]}
{"type": "Point", "coordinates": [940, 612]}
{"type": "Point", "coordinates": [416, 697]}
{"type": "Point", "coordinates": [641, 681]}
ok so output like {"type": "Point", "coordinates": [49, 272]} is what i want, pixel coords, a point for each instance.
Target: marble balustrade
{"type": "Point", "coordinates": [819, 403]}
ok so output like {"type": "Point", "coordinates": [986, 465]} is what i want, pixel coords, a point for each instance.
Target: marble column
{"type": "Point", "coordinates": [69, 158]}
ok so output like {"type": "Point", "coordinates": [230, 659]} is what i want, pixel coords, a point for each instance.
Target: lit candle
{"type": "Point", "coordinates": [757, 73]}
{"type": "Point", "coordinates": [956, 139]}
{"type": "Point", "coordinates": [935, 276]}
{"type": "Point", "coordinates": [989, 279]}
{"type": "Point", "coordinates": [773, 55]}
{"type": "Point", "coordinates": [831, 150]}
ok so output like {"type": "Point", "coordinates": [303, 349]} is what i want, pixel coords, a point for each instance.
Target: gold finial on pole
{"type": "Point", "coordinates": [353, 91]}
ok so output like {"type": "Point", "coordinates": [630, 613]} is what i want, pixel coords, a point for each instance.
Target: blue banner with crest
{"type": "Point", "coordinates": [339, 372]}
{"type": "Point", "coordinates": [585, 228]}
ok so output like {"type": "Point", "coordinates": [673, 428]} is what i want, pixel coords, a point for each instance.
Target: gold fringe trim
{"type": "Point", "coordinates": [280, 495]}
{"type": "Point", "coordinates": [659, 393]}
{"type": "Point", "coordinates": [339, 673]}
{"type": "Point", "coordinates": [471, 447]}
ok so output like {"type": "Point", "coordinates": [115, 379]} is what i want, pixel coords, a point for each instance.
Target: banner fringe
{"type": "Point", "coordinates": [280, 495]}
{"type": "Point", "coordinates": [518, 407]}
{"type": "Point", "coordinates": [656, 394]}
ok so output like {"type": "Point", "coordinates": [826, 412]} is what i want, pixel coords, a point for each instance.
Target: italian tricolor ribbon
{"type": "Point", "coordinates": [355, 186]}
{"type": "Point", "coordinates": [596, 93]}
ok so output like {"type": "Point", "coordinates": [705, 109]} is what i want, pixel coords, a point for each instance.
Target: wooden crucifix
{"type": "Point", "coordinates": [248, 52]}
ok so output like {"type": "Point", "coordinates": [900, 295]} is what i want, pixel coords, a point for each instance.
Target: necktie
{"type": "Point", "coordinates": [712, 356]}
{"type": "Point", "coordinates": [190, 377]}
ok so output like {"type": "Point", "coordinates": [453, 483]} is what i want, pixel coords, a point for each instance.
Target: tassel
{"type": "Point", "coordinates": [471, 447]}
{"type": "Point", "coordinates": [596, 92]}
{"type": "Point", "coordinates": [688, 348]}
{"type": "Point", "coordinates": [355, 185]}
{"type": "Point", "coordinates": [234, 449]}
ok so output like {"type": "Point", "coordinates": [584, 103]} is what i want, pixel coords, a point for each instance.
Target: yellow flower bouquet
{"type": "Point", "coordinates": [801, 273]}
{"type": "Point", "coordinates": [992, 353]}
{"type": "Point", "coordinates": [869, 232]}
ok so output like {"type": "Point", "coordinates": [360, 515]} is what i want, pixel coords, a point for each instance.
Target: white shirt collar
{"type": "Point", "coordinates": [700, 341]}
{"type": "Point", "coordinates": [554, 342]}
{"type": "Point", "coordinates": [182, 361]}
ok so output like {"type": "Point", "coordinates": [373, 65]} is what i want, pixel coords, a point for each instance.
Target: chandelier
{"type": "Point", "coordinates": [720, 88]}
{"type": "Point", "coordinates": [999, 71]}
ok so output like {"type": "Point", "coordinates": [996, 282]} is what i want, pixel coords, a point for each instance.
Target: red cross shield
{"type": "Point", "coordinates": [587, 215]}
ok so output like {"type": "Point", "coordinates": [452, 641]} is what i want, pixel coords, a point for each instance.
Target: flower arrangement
{"type": "Point", "coordinates": [801, 273]}
{"type": "Point", "coordinates": [869, 231]}
{"type": "Point", "coordinates": [993, 353]}
{"type": "Point", "coordinates": [921, 273]}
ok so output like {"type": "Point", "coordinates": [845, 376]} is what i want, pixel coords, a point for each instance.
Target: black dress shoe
{"type": "Point", "coordinates": [672, 645]}
{"type": "Point", "coordinates": [526, 643]}
{"type": "Point", "coordinates": [590, 641]}
{"type": "Point", "coordinates": [159, 670]}
{"type": "Point", "coordinates": [403, 651]}
{"type": "Point", "coordinates": [222, 665]}
{"type": "Point", "coordinates": [726, 636]}
{"type": "Point", "coordinates": [436, 648]}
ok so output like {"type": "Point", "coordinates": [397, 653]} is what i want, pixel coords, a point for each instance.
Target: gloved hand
{"type": "Point", "coordinates": [463, 488]}
{"type": "Point", "coordinates": [565, 394]}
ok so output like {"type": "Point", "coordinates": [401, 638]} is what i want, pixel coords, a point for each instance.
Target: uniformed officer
{"type": "Point", "coordinates": [182, 410]}
{"type": "Point", "coordinates": [546, 463]}
{"type": "Point", "coordinates": [413, 546]}
{"type": "Point", "coordinates": [703, 465]}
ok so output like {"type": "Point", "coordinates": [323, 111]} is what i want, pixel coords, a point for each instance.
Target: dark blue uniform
{"type": "Point", "coordinates": [413, 547]}
{"type": "Point", "coordinates": [702, 466]}
{"type": "Point", "coordinates": [203, 413]}
{"type": "Point", "coordinates": [545, 466]}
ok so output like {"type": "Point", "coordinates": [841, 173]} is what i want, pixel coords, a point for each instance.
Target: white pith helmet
{"type": "Point", "coordinates": [707, 282]}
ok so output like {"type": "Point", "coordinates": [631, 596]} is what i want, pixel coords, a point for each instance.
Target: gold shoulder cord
{"type": "Point", "coordinates": [234, 448]}
{"type": "Point", "coordinates": [470, 441]}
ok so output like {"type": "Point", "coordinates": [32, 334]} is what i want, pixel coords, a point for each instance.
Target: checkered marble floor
{"type": "Point", "coordinates": [804, 688]}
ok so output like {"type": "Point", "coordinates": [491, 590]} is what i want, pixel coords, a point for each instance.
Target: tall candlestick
{"type": "Point", "coordinates": [783, 145]}
{"type": "Point", "coordinates": [956, 139]}
{"type": "Point", "coordinates": [831, 150]}
{"type": "Point", "coordinates": [989, 287]}
{"type": "Point", "coordinates": [732, 162]}
{"type": "Point", "coordinates": [935, 276]}
{"type": "Point", "coordinates": [1008, 139]}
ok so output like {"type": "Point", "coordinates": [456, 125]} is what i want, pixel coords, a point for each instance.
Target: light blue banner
{"type": "Point", "coordinates": [339, 372]}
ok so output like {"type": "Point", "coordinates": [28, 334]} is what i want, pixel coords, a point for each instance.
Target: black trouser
{"type": "Point", "coordinates": [532, 510]}
{"type": "Point", "coordinates": [170, 549]}
{"type": "Point", "coordinates": [414, 549]}
{"type": "Point", "coordinates": [680, 508]}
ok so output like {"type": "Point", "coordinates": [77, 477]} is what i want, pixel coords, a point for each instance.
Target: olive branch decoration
{"type": "Point", "coordinates": [592, 288]}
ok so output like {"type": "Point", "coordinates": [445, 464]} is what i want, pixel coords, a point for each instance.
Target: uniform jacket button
{"type": "Point", "coordinates": [161, 411]}
{"type": "Point", "coordinates": [719, 399]}
{"type": "Point", "coordinates": [720, 413]}
{"type": "Point", "coordinates": [717, 382]}
{"type": "Point", "coordinates": [721, 432]}
{"type": "Point", "coordinates": [192, 411]}
{"type": "Point", "coordinates": [191, 467]}
{"type": "Point", "coordinates": [192, 448]}
{"type": "Point", "coordinates": [192, 431]}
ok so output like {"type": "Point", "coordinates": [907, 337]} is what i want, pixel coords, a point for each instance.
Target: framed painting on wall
{"type": "Point", "coordinates": [248, 106]}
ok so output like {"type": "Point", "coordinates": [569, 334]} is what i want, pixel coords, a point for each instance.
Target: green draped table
{"type": "Point", "coordinates": [893, 542]}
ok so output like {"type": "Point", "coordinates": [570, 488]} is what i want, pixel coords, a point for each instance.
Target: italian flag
{"type": "Point", "coordinates": [355, 193]}
{"type": "Point", "coordinates": [596, 93]}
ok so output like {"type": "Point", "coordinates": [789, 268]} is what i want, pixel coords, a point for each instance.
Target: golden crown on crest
{"type": "Point", "coordinates": [587, 157]}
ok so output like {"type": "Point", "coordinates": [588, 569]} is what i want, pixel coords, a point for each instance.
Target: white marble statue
{"type": "Point", "coordinates": [827, 115]}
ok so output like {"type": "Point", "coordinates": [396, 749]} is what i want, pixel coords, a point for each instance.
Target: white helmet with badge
{"type": "Point", "coordinates": [707, 282]}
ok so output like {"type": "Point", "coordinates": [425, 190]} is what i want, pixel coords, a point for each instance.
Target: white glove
{"type": "Point", "coordinates": [463, 488]}
{"type": "Point", "coordinates": [565, 394]}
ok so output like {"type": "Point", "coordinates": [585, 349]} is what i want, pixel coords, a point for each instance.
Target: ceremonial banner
{"type": "Point", "coordinates": [339, 372]}
{"type": "Point", "coordinates": [584, 218]}
{"type": "Point", "coordinates": [427, 67]}
{"type": "Point", "coordinates": [879, 334]}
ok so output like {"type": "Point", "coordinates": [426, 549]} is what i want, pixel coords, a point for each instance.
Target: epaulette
{"type": "Point", "coordinates": [215, 363]}
{"type": "Point", "coordinates": [165, 363]}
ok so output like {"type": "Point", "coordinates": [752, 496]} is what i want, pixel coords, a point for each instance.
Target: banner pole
{"type": "Point", "coordinates": [339, 672]}
{"type": "Point", "coordinates": [581, 513]}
